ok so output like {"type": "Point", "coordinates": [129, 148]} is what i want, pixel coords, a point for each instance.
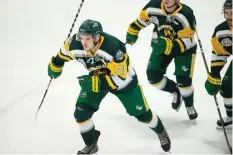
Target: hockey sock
{"type": "Point", "coordinates": [188, 100]}
{"type": "Point", "coordinates": [89, 137]}
{"type": "Point", "coordinates": [170, 86]}
{"type": "Point", "coordinates": [166, 85]}
{"type": "Point", "coordinates": [156, 125]}
{"type": "Point", "coordinates": [228, 106]}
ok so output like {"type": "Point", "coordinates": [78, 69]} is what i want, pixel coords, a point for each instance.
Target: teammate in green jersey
{"type": "Point", "coordinates": [222, 49]}
{"type": "Point", "coordinates": [172, 39]}
{"type": "Point", "coordinates": [110, 71]}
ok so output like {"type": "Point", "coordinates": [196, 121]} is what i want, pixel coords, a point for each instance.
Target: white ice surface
{"type": "Point", "coordinates": [33, 30]}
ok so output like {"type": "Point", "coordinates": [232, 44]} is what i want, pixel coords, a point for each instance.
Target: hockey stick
{"type": "Point", "coordinates": [43, 99]}
{"type": "Point", "coordinates": [71, 29]}
{"type": "Point", "coordinates": [76, 16]}
{"type": "Point", "coordinates": [215, 98]}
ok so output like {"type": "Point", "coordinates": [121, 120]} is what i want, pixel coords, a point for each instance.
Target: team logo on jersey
{"type": "Point", "coordinates": [83, 95]}
{"type": "Point", "coordinates": [100, 72]}
{"type": "Point", "coordinates": [226, 42]}
{"type": "Point", "coordinates": [119, 55]}
{"type": "Point", "coordinates": [97, 58]}
{"type": "Point", "coordinates": [168, 31]}
{"type": "Point", "coordinates": [139, 107]}
{"type": "Point", "coordinates": [154, 20]}
{"type": "Point", "coordinates": [97, 67]}
{"type": "Point", "coordinates": [91, 60]}
{"type": "Point", "coordinates": [184, 68]}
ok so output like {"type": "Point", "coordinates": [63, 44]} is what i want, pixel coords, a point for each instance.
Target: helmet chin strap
{"type": "Point", "coordinates": [95, 43]}
{"type": "Point", "coordinates": [173, 5]}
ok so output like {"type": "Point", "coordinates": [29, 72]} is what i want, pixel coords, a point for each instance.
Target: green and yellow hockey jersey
{"type": "Point", "coordinates": [222, 47]}
{"type": "Point", "coordinates": [179, 26]}
{"type": "Point", "coordinates": [110, 62]}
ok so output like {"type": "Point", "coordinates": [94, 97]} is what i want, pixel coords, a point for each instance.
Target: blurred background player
{"type": "Point", "coordinates": [110, 70]}
{"type": "Point", "coordinates": [172, 39]}
{"type": "Point", "coordinates": [222, 49]}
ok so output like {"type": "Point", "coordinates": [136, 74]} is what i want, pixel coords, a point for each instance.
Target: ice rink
{"type": "Point", "coordinates": [32, 31]}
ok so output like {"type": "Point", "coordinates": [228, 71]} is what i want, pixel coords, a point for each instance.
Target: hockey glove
{"type": "Point", "coordinates": [132, 35]}
{"type": "Point", "coordinates": [162, 46]}
{"type": "Point", "coordinates": [131, 38]}
{"type": "Point", "coordinates": [89, 83]}
{"type": "Point", "coordinates": [212, 84]}
{"type": "Point", "coordinates": [53, 70]}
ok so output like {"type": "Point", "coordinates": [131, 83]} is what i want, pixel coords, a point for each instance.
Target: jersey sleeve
{"type": "Point", "coordinates": [64, 54]}
{"type": "Point", "coordinates": [121, 72]}
{"type": "Point", "coordinates": [219, 55]}
{"type": "Point", "coordinates": [185, 38]}
{"type": "Point", "coordinates": [141, 22]}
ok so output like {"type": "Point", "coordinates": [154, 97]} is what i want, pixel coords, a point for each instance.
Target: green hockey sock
{"type": "Point", "coordinates": [89, 136]}
{"type": "Point", "coordinates": [188, 100]}
{"type": "Point", "coordinates": [159, 127]}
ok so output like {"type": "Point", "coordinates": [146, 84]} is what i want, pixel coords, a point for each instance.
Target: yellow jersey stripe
{"type": "Point", "coordinates": [192, 65]}
{"type": "Point", "coordinates": [180, 44]}
{"type": "Point", "coordinates": [169, 46]}
{"type": "Point", "coordinates": [213, 64]}
{"type": "Point", "coordinates": [95, 84]}
{"type": "Point", "coordinates": [143, 15]}
{"type": "Point", "coordinates": [63, 56]}
{"type": "Point", "coordinates": [213, 80]}
{"type": "Point", "coordinates": [132, 31]}
{"type": "Point", "coordinates": [218, 48]}
{"type": "Point", "coordinates": [139, 25]}
{"type": "Point", "coordinates": [186, 33]}
{"type": "Point", "coordinates": [144, 99]}
{"type": "Point", "coordinates": [110, 83]}
{"type": "Point", "coordinates": [55, 68]}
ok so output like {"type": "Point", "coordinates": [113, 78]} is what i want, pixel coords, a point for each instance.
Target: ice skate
{"type": "Point", "coordinates": [91, 149]}
{"type": "Point", "coordinates": [192, 113]}
{"type": "Point", "coordinates": [227, 121]}
{"type": "Point", "coordinates": [177, 100]}
{"type": "Point", "coordinates": [164, 140]}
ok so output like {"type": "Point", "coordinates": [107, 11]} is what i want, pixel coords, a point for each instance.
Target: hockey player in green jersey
{"type": "Point", "coordinates": [222, 49]}
{"type": "Point", "coordinates": [110, 71]}
{"type": "Point", "coordinates": [172, 39]}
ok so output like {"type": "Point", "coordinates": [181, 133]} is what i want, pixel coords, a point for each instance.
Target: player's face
{"type": "Point", "coordinates": [87, 42]}
{"type": "Point", "coordinates": [228, 15]}
{"type": "Point", "coordinates": [169, 3]}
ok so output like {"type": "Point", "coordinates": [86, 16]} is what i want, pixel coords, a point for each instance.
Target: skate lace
{"type": "Point", "coordinates": [190, 110]}
{"type": "Point", "coordinates": [227, 119]}
{"type": "Point", "coordinates": [163, 138]}
{"type": "Point", "coordinates": [87, 148]}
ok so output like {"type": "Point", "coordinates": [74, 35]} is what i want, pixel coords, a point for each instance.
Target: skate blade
{"type": "Point", "coordinates": [229, 127]}
{"type": "Point", "coordinates": [194, 121]}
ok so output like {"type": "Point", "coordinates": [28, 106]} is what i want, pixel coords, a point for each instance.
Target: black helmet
{"type": "Point", "coordinates": [227, 4]}
{"type": "Point", "coordinates": [90, 27]}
